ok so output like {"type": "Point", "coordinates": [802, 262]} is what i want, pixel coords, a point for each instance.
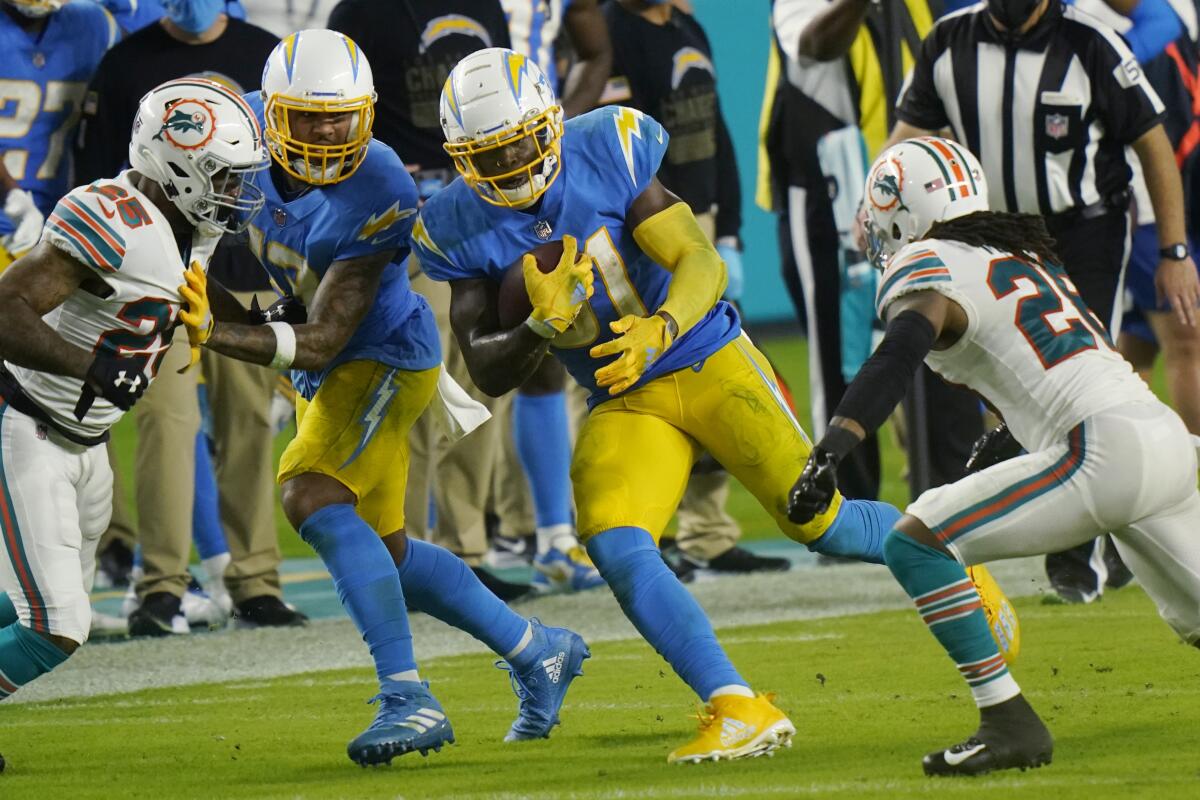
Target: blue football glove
{"type": "Point", "coordinates": [729, 252]}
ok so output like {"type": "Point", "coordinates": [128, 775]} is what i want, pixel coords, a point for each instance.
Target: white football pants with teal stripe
{"type": "Point", "coordinates": [1130, 470]}
{"type": "Point", "coordinates": [55, 503]}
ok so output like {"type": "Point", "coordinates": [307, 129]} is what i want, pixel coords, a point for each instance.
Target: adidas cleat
{"type": "Point", "coordinates": [1001, 616]}
{"type": "Point", "coordinates": [1010, 736]}
{"type": "Point", "coordinates": [732, 727]}
{"type": "Point", "coordinates": [565, 571]}
{"type": "Point", "coordinates": [542, 687]}
{"type": "Point", "coordinates": [409, 719]}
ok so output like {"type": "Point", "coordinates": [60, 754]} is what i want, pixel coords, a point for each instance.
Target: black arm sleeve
{"type": "Point", "coordinates": [883, 380]}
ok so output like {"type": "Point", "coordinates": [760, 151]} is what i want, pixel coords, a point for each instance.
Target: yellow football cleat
{"type": "Point", "coordinates": [1001, 616]}
{"type": "Point", "coordinates": [736, 727]}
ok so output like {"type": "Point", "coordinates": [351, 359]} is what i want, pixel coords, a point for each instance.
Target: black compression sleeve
{"type": "Point", "coordinates": [883, 380]}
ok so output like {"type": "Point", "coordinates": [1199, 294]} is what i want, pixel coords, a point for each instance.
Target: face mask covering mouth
{"type": "Point", "coordinates": [193, 16]}
{"type": "Point", "coordinates": [1012, 14]}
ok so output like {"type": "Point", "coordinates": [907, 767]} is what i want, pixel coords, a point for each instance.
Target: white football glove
{"type": "Point", "coordinates": [26, 219]}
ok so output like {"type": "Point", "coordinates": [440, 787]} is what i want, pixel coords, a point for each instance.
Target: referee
{"type": "Point", "coordinates": [1048, 98]}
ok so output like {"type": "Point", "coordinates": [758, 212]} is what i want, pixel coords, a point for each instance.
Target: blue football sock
{"type": "Point", "coordinates": [442, 585]}
{"type": "Point", "coordinates": [366, 583]}
{"type": "Point", "coordinates": [666, 615]}
{"type": "Point", "coordinates": [859, 531]}
{"type": "Point", "coordinates": [207, 533]}
{"type": "Point", "coordinates": [8, 612]}
{"type": "Point", "coordinates": [24, 655]}
{"type": "Point", "coordinates": [544, 446]}
{"type": "Point", "coordinates": [949, 604]}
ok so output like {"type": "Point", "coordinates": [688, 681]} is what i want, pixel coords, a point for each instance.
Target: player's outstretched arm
{"type": "Point", "coordinates": [498, 360]}
{"type": "Point", "coordinates": [343, 298]}
{"type": "Point", "coordinates": [32, 287]}
{"type": "Point", "coordinates": [916, 323]}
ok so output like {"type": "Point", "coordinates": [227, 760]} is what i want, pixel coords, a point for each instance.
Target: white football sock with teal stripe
{"type": "Point", "coordinates": [950, 606]}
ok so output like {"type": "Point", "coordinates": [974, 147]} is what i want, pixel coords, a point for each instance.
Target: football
{"type": "Point", "coordinates": [513, 303]}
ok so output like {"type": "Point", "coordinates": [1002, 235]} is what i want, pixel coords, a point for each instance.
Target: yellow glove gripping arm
{"type": "Point", "coordinates": [674, 239]}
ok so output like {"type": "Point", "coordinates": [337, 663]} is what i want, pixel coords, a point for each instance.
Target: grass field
{"type": "Point", "coordinates": [869, 694]}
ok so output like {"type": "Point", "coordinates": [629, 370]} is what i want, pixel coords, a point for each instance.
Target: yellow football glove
{"type": "Point", "coordinates": [557, 297]}
{"type": "Point", "coordinates": [195, 314]}
{"type": "Point", "coordinates": [641, 342]}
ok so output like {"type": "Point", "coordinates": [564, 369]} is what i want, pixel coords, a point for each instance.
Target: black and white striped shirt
{"type": "Point", "coordinates": [1049, 118]}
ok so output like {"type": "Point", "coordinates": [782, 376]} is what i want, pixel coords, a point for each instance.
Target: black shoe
{"type": "Point", "coordinates": [740, 560]}
{"type": "Point", "coordinates": [116, 561]}
{"type": "Point", "coordinates": [268, 611]}
{"type": "Point", "coordinates": [1118, 574]}
{"type": "Point", "coordinates": [154, 616]}
{"type": "Point", "coordinates": [684, 570]}
{"type": "Point", "coordinates": [505, 590]}
{"type": "Point", "coordinates": [1071, 575]}
{"type": "Point", "coordinates": [509, 552]}
{"type": "Point", "coordinates": [1011, 736]}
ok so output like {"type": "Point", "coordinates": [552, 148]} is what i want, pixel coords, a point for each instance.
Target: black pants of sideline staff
{"type": "Point", "coordinates": [1094, 251]}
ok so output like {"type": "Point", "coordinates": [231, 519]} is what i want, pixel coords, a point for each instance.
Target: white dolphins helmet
{"type": "Point", "coordinates": [36, 8]}
{"type": "Point", "coordinates": [497, 98]}
{"type": "Point", "coordinates": [914, 184]}
{"type": "Point", "coordinates": [200, 142]}
{"type": "Point", "coordinates": [324, 72]}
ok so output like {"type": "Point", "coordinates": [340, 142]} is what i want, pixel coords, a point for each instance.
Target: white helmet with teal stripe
{"type": "Point", "coordinates": [914, 184]}
{"type": "Point", "coordinates": [200, 142]}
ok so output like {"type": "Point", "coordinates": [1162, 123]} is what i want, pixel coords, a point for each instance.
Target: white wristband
{"type": "Point", "coordinates": [285, 344]}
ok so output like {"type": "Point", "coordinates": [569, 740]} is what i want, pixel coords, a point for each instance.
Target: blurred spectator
{"type": "Point", "coordinates": [535, 25]}
{"type": "Point", "coordinates": [196, 38]}
{"type": "Point", "coordinates": [841, 64]}
{"type": "Point", "coordinates": [413, 45]}
{"type": "Point", "coordinates": [49, 54]}
{"type": "Point", "coordinates": [662, 65]}
{"type": "Point", "coordinates": [133, 15]}
{"type": "Point", "coordinates": [1148, 326]}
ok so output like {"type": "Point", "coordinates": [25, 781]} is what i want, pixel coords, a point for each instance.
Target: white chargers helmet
{"type": "Point", "coordinates": [503, 126]}
{"type": "Point", "coordinates": [36, 8]}
{"type": "Point", "coordinates": [324, 72]}
{"type": "Point", "coordinates": [914, 184]}
{"type": "Point", "coordinates": [200, 142]}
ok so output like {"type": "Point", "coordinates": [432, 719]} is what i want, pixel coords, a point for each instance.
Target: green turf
{"type": "Point", "coordinates": [869, 694]}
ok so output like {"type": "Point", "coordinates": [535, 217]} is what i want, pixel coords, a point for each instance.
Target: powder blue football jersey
{"type": "Point", "coordinates": [609, 157]}
{"type": "Point", "coordinates": [370, 212]}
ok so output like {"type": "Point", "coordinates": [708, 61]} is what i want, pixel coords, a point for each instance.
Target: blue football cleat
{"type": "Point", "coordinates": [542, 686]}
{"type": "Point", "coordinates": [565, 571]}
{"type": "Point", "coordinates": [409, 718]}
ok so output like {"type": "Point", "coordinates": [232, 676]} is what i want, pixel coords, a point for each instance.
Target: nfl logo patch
{"type": "Point", "coordinates": [280, 217]}
{"type": "Point", "coordinates": [542, 229]}
{"type": "Point", "coordinates": [1057, 125]}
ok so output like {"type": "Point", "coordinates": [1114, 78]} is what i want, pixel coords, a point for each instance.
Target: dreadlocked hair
{"type": "Point", "coordinates": [1000, 230]}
